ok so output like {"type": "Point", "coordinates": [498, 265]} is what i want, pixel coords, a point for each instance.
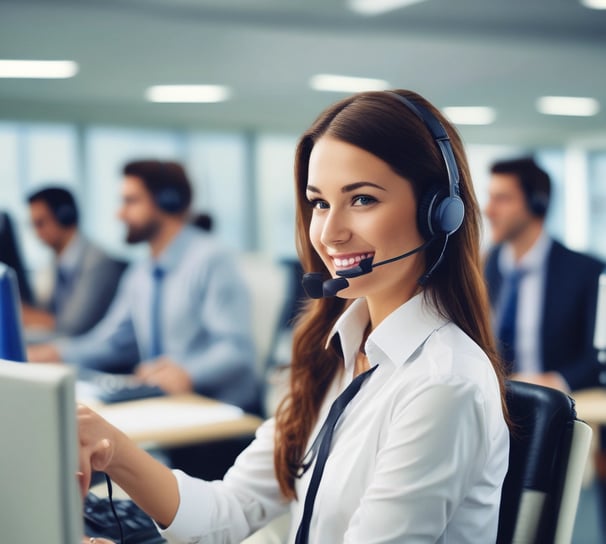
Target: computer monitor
{"type": "Point", "coordinates": [11, 256]}
{"type": "Point", "coordinates": [39, 493]}
{"type": "Point", "coordinates": [12, 345]}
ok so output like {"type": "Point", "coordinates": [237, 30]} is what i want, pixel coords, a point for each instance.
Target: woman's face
{"type": "Point", "coordinates": [362, 208]}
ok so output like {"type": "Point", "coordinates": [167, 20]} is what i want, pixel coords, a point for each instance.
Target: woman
{"type": "Point", "coordinates": [419, 453]}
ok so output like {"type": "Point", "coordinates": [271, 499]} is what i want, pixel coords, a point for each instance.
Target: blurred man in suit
{"type": "Point", "coordinates": [543, 295]}
{"type": "Point", "coordinates": [85, 277]}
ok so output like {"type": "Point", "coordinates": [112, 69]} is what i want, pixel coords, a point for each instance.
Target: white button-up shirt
{"type": "Point", "coordinates": [418, 456]}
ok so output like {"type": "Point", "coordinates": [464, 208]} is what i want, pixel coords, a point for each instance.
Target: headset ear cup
{"type": "Point", "coordinates": [425, 211]}
{"type": "Point", "coordinates": [439, 213]}
{"type": "Point", "coordinates": [538, 204]}
{"type": "Point", "coordinates": [448, 215]}
{"type": "Point", "coordinates": [65, 215]}
{"type": "Point", "coordinates": [169, 200]}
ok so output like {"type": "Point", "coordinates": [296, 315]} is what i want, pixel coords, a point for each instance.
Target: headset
{"type": "Point", "coordinates": [167, 196]}
{"type": "Point", "coordinates": [65, 214]}
{"type": "Point", "coordinates": [439, 214]}
{"type": "Point", "coordinates": [61, 203]}
{"type": "Point", "coordinates": [169, 200]}
{"type": "Point", "coordinates": [538, 202]}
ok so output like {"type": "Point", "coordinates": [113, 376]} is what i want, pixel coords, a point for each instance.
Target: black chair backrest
{"type": "Point", "coordinates": [543, 420]}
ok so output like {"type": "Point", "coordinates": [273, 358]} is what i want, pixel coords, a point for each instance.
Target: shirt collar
{"type": "Point", "coordinates": [174, 251]}
{"type": "Point", "coordinates": [397, 337]}
{"type": "Point", "coordinates": [534, 259]}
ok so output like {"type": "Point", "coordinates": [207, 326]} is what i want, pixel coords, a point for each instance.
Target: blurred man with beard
{"type": "Point", "coordinates": [543, 294]}
{"type": "Point", "coordinates": [180, 319]}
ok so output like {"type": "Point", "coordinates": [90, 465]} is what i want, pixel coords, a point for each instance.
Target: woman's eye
{"type": "Point", "coordinates": [318, 204]}
{"type": "Point", "coordinates": [363, 200]}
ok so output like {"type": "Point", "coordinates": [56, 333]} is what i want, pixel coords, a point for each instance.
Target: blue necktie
{"type": "Point", "coordinates": [155, 340]}
{"type": "Point", "coordinates": [322, 450]}
{"type": "Point", "coordinates": [507, 326]}
{"type": "Point", "coordinates": [61, 290]}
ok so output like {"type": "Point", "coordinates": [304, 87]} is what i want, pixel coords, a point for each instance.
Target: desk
{"type": "Point", "coordinates": [178, 420]}
{"type": "Point", "coordinates": [591, 405]}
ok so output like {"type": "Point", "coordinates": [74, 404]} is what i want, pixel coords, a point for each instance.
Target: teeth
{"type": "Point", "coordinates": [351, 260]}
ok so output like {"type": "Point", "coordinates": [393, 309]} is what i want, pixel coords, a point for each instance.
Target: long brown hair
{"type": "Point", "coordinates": [380, 124]}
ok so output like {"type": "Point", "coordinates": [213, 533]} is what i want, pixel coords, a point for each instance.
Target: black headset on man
{"type": "Point", "coordinates": [167, 196]}
{"type": "Point", "coordinates": [438, 214]}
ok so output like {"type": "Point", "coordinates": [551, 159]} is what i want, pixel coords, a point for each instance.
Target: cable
{"type": "Point", "coordinates": [111, 504]}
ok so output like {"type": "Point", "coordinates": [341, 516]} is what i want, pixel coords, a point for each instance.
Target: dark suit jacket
{"type": "Point", "coordinates": [568, 316]}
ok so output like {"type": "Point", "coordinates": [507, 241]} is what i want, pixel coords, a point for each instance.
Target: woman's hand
{"type": "Point", "coordinates": [98, 440]}
{"type": "Point", "coordinates": [91, 540]}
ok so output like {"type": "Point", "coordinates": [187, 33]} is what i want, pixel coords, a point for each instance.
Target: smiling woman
{"type": "Point", "coordinates": [394, 425]}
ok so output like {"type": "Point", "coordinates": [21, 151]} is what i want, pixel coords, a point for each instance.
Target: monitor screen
{"type": "Point", "coordinates": [39, 490]}
{"type": "Point", "coordinates": [11, 256]}
{"type": "Point", "coordinates": [12, 346]}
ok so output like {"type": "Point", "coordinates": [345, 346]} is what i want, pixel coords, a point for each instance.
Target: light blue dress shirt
{"type": "Point", "coordinates": [204, 317]}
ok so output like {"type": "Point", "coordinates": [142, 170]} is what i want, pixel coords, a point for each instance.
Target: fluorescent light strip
{"type": "Point", "coordinates": [346, 84]}
{"type": "Point", "coordinates": [470, 115]}
{"type": "Point", "coordinates": [576, 106]}
{"type": "Point", "coordinates": [188, 93]}
{"type": "Point", "coordinates": [377, 7]}
{"type": "Point", "coordinates": [594, 4]}
{"type": "Point", "coordinates": [38, 69]}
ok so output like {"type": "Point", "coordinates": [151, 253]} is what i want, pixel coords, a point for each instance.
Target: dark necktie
{"type": "Point", "coordinates": [155, 341]}
{"type": "Point", "coordinates": [507, 327]}
{"type": "Point", "coordinates": [61, 291]}
{"type": "Point", "coordinates": [322, 450]}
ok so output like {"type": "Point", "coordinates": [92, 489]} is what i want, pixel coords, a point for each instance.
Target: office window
{"type": "Point", "coordinates": [553, 162]}
{"type": "Point", "coordinates": [33, 155]}
{"type": "Point", "coordinates": [11, 195]}
{"type": "Point", "coordinates": [597, 202]}
{"type": "Point", "coordinates": [52, 157]}
{"type": "Point", "coordinates": [274, 160]}
{"type": "Point", "coordinates": [219, 169]}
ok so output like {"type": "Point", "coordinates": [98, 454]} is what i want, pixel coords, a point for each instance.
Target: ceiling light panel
{"type": "Point", "coordinates": [38, 69]}
{"type": "Point", "coordinates": [470, 115]}
{"type": "Point", "coordinates": [346, 84]}
{"type": "Point", "coordinates": [594, 4]}
{"type": "Point", "coordinates": [574, 106]}
{"type": "Point", "coordinates": [188, 93]}
{"type": "Point", "coordinates": [377, 7]}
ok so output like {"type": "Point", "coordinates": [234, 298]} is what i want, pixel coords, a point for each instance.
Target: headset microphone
{"type": "Point", "coordinates": [316, 287]}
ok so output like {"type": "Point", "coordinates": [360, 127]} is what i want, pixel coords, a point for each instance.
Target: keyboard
{"type": "Point", "coordinates": [111, 388]}
{"type": "Point", "coordinates": [137, 526]}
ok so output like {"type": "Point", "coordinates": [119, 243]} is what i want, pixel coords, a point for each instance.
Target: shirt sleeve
{"type": "Point", "coordinates": [111, 343]}
{"type": "Point", "coordinates": [222, 363]}
{"type": "Point", "coordinates": [228, 511]}
{"type": "Point", "coordinates": [436, 445]}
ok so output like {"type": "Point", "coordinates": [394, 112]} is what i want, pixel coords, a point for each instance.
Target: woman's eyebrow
{"type": "Point", "coordinates": [359, 185]}
{"type": "Point", "coordinates": [349, 187]}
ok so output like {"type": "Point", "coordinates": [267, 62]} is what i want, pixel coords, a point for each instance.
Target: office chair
{"type": "Point", "coordinates": [548, 451]}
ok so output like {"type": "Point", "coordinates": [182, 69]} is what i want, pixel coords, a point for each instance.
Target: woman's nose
{"type": "Point", "coordinates": [336, 229]}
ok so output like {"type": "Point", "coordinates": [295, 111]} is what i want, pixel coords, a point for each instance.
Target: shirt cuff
{"type": "Point", "coordinates": [193, 514]}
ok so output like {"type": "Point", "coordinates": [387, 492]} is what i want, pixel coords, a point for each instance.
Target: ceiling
{"type": "Point", "coordinates": [499, 53]}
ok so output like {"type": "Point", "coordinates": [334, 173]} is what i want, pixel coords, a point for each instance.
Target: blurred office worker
{"type": "Point", "coordinates": [84, 277]}
{"type": "Point", "coordinates": [543, 295]}
{"type": "Point", "coordinates": [180, 319]}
